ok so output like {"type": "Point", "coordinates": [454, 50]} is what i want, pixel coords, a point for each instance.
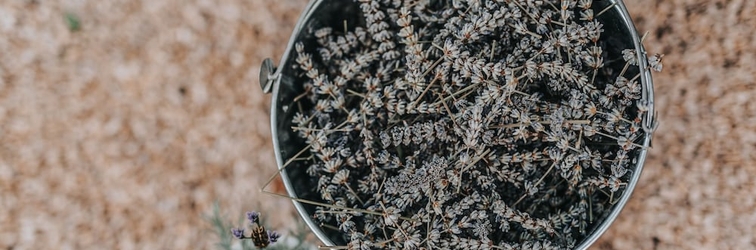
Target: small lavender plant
{"type": "Point", "coordinates": [501, 124]}
{"type": "Point", "coordinates": [259, 236]}
{"type": "Point", "coordinates": [295, 240]}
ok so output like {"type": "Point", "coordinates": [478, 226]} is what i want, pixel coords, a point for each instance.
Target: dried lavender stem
{"type": "Point", "coordinates": [606, 9]}
{"type": "Point", "coordinates": [536, 184]}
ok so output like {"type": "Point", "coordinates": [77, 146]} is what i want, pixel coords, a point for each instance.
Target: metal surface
{"type": "Point", "coordinates": [283, 85]}
{"type": "Point", "coordinates": [649, 120]}
{"type": "Point", "coordinates": [267, 75]}
{"type": "Point", "coordinates": [282, 136]}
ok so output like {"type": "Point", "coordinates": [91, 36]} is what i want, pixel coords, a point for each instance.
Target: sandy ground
{"type": "Point", "coordinates": [122, 134]}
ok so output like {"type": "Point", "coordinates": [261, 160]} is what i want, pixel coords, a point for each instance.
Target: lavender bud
{"type": "Point", "coordinates": [253, 217]}
{"type": "Point", "coordinates": [273, 236]}
{"type": "Point", "coordinates": [238, 233]}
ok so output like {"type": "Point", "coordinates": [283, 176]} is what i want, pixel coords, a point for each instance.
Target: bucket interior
{"type": "Point", "coordinates": [617, 36]}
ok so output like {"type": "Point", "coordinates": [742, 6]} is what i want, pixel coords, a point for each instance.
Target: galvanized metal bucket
{"type": "Point", "coordinates": [280, 81]}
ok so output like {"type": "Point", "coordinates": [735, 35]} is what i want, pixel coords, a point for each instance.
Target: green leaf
{"type": "Point", "coordinates": [73, 22]}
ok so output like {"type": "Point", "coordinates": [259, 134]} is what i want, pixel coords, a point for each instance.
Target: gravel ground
{"type": "Point", "coordinates": [122, 122]}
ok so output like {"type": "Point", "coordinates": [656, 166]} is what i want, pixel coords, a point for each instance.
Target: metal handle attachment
{"type": "Point", "coordinates": [268, 75]}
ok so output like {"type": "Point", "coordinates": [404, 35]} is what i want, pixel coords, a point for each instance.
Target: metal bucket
{"type": "Point", "coordinates": [284, 87]}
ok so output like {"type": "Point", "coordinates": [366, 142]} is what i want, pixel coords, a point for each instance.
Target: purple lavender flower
{"type": "Point", "coordinates": [260, 237]}
{"type": "Point", "coordinates": [238, 232]}
{"type": "Point", "coordinates": [273, 236]}
{"type": "Point", "coordinates": [253, 217]}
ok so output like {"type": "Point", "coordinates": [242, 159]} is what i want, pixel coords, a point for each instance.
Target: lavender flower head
{"type": "Point", "coordinates": [238, 233]}
{"type": "Point", "coordinates": [273, 236]}
{"type": "Point", "coordinates": [260, 236]}
{"type": "Point", "coordinates": [253, 217]}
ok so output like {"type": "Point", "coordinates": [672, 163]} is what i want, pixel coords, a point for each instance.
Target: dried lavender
{"type": "Point", "coordinates": [468, 124]}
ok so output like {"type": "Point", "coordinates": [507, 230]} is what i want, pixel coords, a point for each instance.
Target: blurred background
{"type": "Point", "coordinates": [122, 122]}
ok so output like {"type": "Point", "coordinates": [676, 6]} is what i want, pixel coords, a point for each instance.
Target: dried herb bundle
{"type": "Point", "coordinates": [468, 124]}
